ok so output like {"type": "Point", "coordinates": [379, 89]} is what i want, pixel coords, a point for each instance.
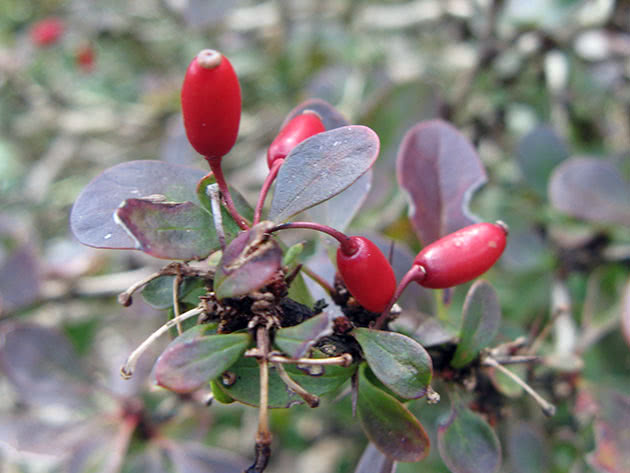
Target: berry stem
{"type": "Point", "coordinates": [215, 166]}
{"type": "Point", "coordinates": [273, 172]}
{"type": "Point", "coordinates": [348, 247]}
{"type": "Point", "coordinates": [416, 273]}
{"type": "Point", "coordinates": [319, 280]}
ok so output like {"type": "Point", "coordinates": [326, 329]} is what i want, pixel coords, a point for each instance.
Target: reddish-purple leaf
{"type": "Point", "coordinates": [92, 219]}
{"type": "Point", "coordinates": [590, 189]}
{"type": "Point", "coordinates": [481, 321]}
{"type": "Point", "coordinates": [248, 263]}
{"type": "Point", "coordinates": [612, 434]}
{"type": "Point", "coordinates": [189, 457]}
{"type": "Point", "coordinates": [42, 366]}
{"type": "Point", "coordinates": [331, 118]}
{"type": "Point", "coordinates": [321, 167]}
{"type": "Point", "coordinates": [389, 425]}
{"type": "Point", "coordinates": [169, 230]}
{"type": "Point", "coordinates": [440, 170]}
{"type": "Point", "coordinates": [190, 362]}
{"type": "Point", "coordinates": [625, 312]}
{"type": "Point", "coordinates": [467, 444]}
{"type": "Point", "coordinates": [20, 279]}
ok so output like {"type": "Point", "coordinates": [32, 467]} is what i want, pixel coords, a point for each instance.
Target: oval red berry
{"type": "Point", "coordinates": [47, 31]}
{"type": "Point", "coordinates": [462, 256]}
{"type": "Point", "coordinates": [297, 130]}
{"type": "Point", "coordinates": [367, 274]}
{"type": "Point", "coordinates": [211, 104]}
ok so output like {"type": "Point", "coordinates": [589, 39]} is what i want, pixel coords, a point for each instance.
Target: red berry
{"type": "Point", "coordinates": [293, 133]}
{"type": "Point", "coordinates": [47, 31]}
{"type": "Point", "coordinates": [85, 58]}
{"type": "Point", "coordinates": [463, 255]}
{"type": "Point", "coordinates": [211, 104]}
{"type": "Point", "coordinates": [367, 274]}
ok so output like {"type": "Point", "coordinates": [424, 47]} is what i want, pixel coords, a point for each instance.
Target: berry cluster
{"type": "Point", "coordinates": [211, 105]}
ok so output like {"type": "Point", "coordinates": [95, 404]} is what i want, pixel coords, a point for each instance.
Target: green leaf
{"type": "Point", "coordinates": [248, 263]}
{"type": "Point", "coordinates": [399, 362]}
{"type": "Point", "coordinates": [169, 230]}
{"type": "Point", "coordinates": [467, 444]}
{"type": "Point", "coordinates": [246, 388]}
{"type": "Point", "coordinates": [192, 360]}
{"type": "Point", "coordinates": [481, 321]}
{"type": "Point", "coordinates": [297, 340]}
{"type": "Point", "coordinates": [230, 227]}
{"type": "Point", "coordinates": [506, 385]}
{"type": "Point", "coordinates": [389, 425]}
{"type": "Point", "coordinates": [219, 394]}
{"type": "Point", "coordinates": [159, 292]}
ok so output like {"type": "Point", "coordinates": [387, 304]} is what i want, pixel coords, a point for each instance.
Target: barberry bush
{"type": "Point", "coordinates": [326, 297]}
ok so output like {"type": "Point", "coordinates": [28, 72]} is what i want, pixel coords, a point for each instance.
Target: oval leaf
{"type": "Point", "coordinates": [440, 170]}
{"type": "Point", "coordinates": [159, 292]}
{"type": "Point", "coordinates": [315, 379]}
{"type": "Point", "coordinates": [339, 211]}
{"type": "Point", "coordinates": [92, 220]}
{"type": "Point", "coordinates": [590, 189]}
{"type": "Point", "coordinates": [482, 317]}
{"type": "Point", "coordinates": [321, 167]}
{"type": "Point", "coordinates": [297, 340]}
{"type": "Point", "coordinates": [389, 425]}
{"type": "Point", "coordinates": [467, 444]}
{"type": "Point", "coordinates": [169, 230]}
{"type": "Point", "coordinates": [538, 153]}
{"type": "Point", "coordinates": [331, 118]}
{"type": "Point", "coordinates": [398, 361]}
{"type": "Point", "coordinates": [248, 263]}
{"type": "Point", "coordinates": [188, 364]}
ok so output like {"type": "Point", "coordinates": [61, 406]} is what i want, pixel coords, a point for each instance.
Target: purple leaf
{"type": "Point", "coordinates": [398, 361]}
{"type": "Point", "coordinates": [189, 457]}
{"type": "Point", "coordinates": [373, 461]}
{"type": "Point", "coordinates": [389, 425]}
{"type": "Point", "coordinates": [188, 362]}
{"type": "Point", "coordinates": [20, 279]}
{"type": "Point", "coordinates": [169, 230]}
{"type": "Point", "coordinates": [248, 263]}
{"type": "Point", "coordinates": [42, 366]}
{"type": "Point", "coordinates": [92, 219]}
{"type": "Point", "coordinates": [297, 340]}
{"type": "Point", "coordinates": [467, 444]}
{"type": "Point", "coordinates": [440, 170]}
{"type": "Point", "coordinates": [590, 189]}
{"type": "Point", "coordinates": [339, 211]}
{"type": "Point", "coordinates": [321, 167]}
{"type": "Point", "coordinates": [481, 321]}
{"type": "Point", "coordinates": [538, 153]}
{"type": "Point", "coordinates": [331, 118]}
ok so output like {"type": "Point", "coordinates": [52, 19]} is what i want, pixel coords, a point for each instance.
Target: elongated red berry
{"type": "Point", "coordinates": [462, 256]}
{"type": "Point", "coordinates": [211, 104]}
{"type": "Point", "coordinates": [47, 31]}
{"type": "Point", "coordinates": [367, 274]}
{"type": "Point", "coordinates": [293, 133]}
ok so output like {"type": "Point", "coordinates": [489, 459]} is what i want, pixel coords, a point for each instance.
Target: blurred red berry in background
{"type": "Point", "coordinates": [47, 31]}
